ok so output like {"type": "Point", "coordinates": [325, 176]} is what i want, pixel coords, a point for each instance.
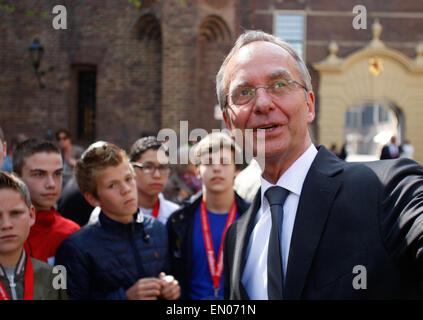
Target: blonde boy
{"type": "Point", "coordinates": [124, 254]}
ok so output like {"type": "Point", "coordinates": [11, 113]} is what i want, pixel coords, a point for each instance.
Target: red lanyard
{"type": "Point", "coordinates": [156, 209]}
{"type": "Point", "coordinates": [215, 270]}
{"type": "Point", "coordinates": [29, 282]}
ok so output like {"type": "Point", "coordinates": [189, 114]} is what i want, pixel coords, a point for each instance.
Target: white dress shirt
{"type": "Point", "coordinates": [254, 277]}
{"type": "Point", "coordinates": [393, 150]}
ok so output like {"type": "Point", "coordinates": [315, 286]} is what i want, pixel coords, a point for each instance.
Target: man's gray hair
{"type": "Point", "coordinates": [252, 36]}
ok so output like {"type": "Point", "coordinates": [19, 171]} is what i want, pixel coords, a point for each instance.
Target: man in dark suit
{"type": "Point", "coordinates": [345, 230]}
{"type": "Point", "coordinates": [392, 150]}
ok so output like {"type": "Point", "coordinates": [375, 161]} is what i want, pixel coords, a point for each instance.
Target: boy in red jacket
{"type": "Point", "coordinates": [39, 164]}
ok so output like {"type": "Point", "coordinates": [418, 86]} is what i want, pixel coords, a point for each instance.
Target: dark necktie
{"type": "Point", "coordinates": [276, 197]}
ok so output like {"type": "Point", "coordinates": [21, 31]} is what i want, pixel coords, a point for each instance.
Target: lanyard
{"type": "Point", "coordinates": [29, 282]}
{"type": "Point", "coordinates": [215, 270]}
{"type": "Point", "coordinates": [156, 209]}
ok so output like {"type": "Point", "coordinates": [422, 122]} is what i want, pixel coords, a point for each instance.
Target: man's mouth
{"type": "Point", "coordinates": [267, 128]}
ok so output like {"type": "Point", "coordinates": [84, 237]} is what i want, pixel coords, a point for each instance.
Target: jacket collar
{"type": "Point", "coordinates": [45, 219]}
{"type": "Point", "coordinates": [319, 190]}
{"type": "Point", "coordinates": [195, 200]}
{"type": "Point", "coordinates": [20, 266]}
{"type": "Point", "coordinates": [111, 224]}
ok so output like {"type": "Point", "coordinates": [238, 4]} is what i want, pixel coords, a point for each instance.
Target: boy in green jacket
{"type": "Point", "coordinates": [21, 277]}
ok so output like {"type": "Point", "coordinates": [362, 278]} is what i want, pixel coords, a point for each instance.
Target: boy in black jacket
{"type": "Point", "coordinates": [196, 232]}
{"type": "Point", "coordinates": [124, 254]}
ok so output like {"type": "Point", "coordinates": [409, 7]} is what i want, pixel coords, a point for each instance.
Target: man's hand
{"type": "Point", "coordinates": [170, 287]}
{"type": "Point", "coordinates": [145, 289]}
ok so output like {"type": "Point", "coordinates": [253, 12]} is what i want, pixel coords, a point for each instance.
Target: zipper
{"type": "Point", "coordinates": [12, 286]}
{"type": "Point", "coordinates": [135, 251]}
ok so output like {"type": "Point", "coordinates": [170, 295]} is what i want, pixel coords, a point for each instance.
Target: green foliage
{"type": "Point", "coordinates": [29, 13]}
{"type": "Point", "coordinates": [136, 3]}
{"type": "Point", "coordinates": [8, 8]}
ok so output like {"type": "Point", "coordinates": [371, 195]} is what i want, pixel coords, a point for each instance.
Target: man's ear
{"type": "Point", "coordinates": [310, 107]}
{"type": "Point", "coordinates": [91, 199]}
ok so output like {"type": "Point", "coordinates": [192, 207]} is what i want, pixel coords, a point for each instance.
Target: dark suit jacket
{"type": "Point", "coordinates": [349, 214]}
{"type": "Point", "coordinates": [386, 153]}
{"type": "Point", "coordinates": [180, 227]}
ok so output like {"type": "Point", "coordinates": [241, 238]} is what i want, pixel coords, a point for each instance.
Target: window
{"type": "Point", "coordinates": [86, 100]}
{"type": "Point", "coordinates": [290, 28]}
{"type": "Point", "coordinates": [368, 115]}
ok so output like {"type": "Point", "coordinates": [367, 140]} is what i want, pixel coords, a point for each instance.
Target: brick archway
{"type": "Point", "coordinates": [213, 43]}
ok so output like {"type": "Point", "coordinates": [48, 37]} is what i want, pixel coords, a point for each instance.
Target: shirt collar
{"type": "Point", "coordinates": [293, 178]}
{"type": "Point", "coordinates": [106, 222]}
{"type": "Point", "coordinates": [20, 266]}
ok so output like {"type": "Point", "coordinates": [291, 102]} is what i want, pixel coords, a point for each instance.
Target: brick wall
{"type": "Point", "coordinates": [147, 84]}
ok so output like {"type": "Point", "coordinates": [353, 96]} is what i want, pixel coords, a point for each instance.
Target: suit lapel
{"type": "Point", "coordinates": [244, 227]}
{"type": "Point", "coordinates": [317, 195]}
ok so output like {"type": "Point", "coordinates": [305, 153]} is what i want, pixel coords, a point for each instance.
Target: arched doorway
{"type": "Point", "coordinates": [368, 126]}
{"type": "Point", "coordinates": [147, 68]}
{"type": "Point", "coordinates": [373, 75]}
{"type": "Point", "coordinates": [213, 43]}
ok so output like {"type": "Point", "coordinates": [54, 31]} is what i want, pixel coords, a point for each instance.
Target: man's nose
{"type": "Point", "coordinates": [263, 102]}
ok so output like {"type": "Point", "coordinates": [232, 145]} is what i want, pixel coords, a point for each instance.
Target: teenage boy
{"type": "Point", "coordinates": [21, 277]}
{"type": "Point", "coordinates": [196, 232]}
{"type": "Point", "coordinates": [124, 255]}
{"type": "Point", "coordinates": [39, 164]}
{"type": "Point", "coordinates": [151, 176]}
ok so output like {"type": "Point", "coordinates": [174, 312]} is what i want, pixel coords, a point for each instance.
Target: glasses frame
{"type": "Point", "coordinates": [142, 167]}
{"type": "Point", "coordinates": [254, 90]}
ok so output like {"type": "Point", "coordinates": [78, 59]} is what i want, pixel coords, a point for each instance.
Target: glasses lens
{"type": "Point", "coordinates": [147, 168]}
{"type": "Point", "coordinates": [243, 95]}
{"type": "Point", "coordinates": [164, 169]}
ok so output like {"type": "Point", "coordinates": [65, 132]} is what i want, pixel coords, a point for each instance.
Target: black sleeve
{"type": "Point", "coordinates": [401, 212]}
{"type": "Point", "coordinates": [226, 264]}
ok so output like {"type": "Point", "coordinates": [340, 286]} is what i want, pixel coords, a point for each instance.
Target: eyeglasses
{"type": "Point", "coordinates": [62, 138]}
{"type": "Point", "coordinates": [278, 88]}
{"type": "Point", "coordinates": [149, 168]}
